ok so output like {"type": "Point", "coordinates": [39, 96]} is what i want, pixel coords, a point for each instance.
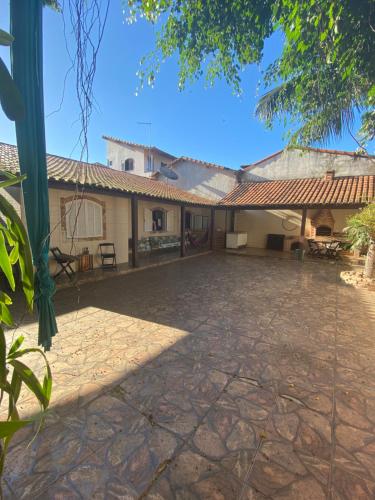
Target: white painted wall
{"type": "Point", "coordinates": [299, 164]}
{"type": "Point", "coordinates": [259, 223]}
{"type": "Point", "coordinates": [118, 153]}
{"type": "Point", "coordinates": [151, 205]}
{"type": "Point", "coordinates": [206, 181]}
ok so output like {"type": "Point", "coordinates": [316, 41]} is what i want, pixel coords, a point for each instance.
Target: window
{"type": "Point", "coordinates": [200, 222]}
{"type": "Point", "coordinates": [150, 163]}
{"type": "Point", "coordinates": [127, 165]}
{"type": "Point", "coordinates": [109, 163]}
{"type": "Point", "coordinates": [83, 219]}
{"type": "Point", "coordinates": [197, 223]}
{"type": "Point", "coordinates": [163, 164]}
{"type": "Point", "coordinates": [158, 220]}
{"type": "Point", "coordinates": [188, 220]}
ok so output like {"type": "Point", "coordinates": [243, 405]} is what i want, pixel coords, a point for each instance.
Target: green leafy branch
{"type": "Point", "coordinates": [14, 373]}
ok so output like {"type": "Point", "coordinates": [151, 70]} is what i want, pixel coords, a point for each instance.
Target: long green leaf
{"type": "Point", "coordinates": [5, 38]}
{"type": "Point", "coordinates": [25, 260]}
{"type": "Point", "coordinates": [14, 254]}
{"type": "Point", "coordinates": [6, 316]}
{"type": "Point", "coordinates": [5, 262]}
{"type": "Point", "coordinates": [31, 381]}
{"type": "Point", "coordinates": [47, 381]}
{"type": "Point", "coordinates": [4, 297]}
{"type": "Point", "coordinates": [8, 233]}
{"type": "Point", "coordinates": [3, 368]}
{"type": "Point", "coordinates": [16, 345]}
{"type": "Point", "coordinates": [10, 97]}
{"type": "Point", "coordinates": [9, 428]}
{"type": "Point", "coordinates": [14, 179]}
{"type": "Point", "coordinates": [15, 389]}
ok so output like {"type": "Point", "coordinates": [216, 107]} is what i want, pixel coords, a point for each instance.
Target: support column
{"type": "Point", "coordinates": [303, 222]}
{"type": "Point", "coordinates": [134, 214]}
{"type": "Point", "coordinates": [212, 228]}
{"type": "Point", "coordinates": [232, 219]}
{"type": "Point", "coordinates": [182, 232]}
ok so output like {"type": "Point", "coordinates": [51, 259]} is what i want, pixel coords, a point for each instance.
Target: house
{"type": "Point", "coordinates": [90, 203]}
{"type": "Point", "coordinates": [299, 193]}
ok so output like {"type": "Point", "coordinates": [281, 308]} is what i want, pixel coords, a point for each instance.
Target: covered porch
{"type": "Point", "coordinates": [284, 214]}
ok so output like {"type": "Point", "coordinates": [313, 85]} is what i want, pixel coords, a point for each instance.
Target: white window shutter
{"type": "Point", "coordinates": [84, 219]}
{"type": "Point", "coordinates": [98, 220]}
{"type": "Point", "coordinates": [147, 220]}
{"type": "Point", "coordinates": [69, 218]}
{"type": "Point", "coordinates": [170, 221]}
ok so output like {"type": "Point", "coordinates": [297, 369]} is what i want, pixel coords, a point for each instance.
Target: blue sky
{"type": "Point", "coordinates": [206, 123]}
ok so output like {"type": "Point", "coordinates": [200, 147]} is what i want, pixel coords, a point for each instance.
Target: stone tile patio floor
{"type": "Point", "coordinates": [221, 377]}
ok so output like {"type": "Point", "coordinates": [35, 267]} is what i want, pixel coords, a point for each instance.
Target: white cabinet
{"type": "Point", "coordinates": [236, 240]}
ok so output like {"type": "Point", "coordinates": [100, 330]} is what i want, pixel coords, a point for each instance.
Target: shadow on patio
{"type": "Point", "coordinates": [217, 377]}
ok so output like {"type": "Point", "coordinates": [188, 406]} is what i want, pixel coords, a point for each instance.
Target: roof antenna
{"type": "Point", "coordinates": [147, 124]}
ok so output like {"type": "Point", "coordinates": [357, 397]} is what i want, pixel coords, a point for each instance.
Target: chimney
{"type": "Point", "coordinates": [329, 175]}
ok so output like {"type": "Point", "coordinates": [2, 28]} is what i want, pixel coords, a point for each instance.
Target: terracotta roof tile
{"type": "Point", "coordinates": [199, 162]}
{"type": "Point", "coordinates": [95, 175]}
{"type": "Point", "coordinates": [352, 190]}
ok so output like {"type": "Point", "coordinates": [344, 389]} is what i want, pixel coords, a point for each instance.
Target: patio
{"type": "Point", "coordinates": [216, 377]}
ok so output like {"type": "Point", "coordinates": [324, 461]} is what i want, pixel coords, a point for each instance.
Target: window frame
{"type": "Point", "coordinates": [163, 228]}
{"type": "Point", "coordinates": [149, 167]}
{"type": "Point", "coordinates": [125, 165]}
{"type": "Point", "coordinates": [84, 202]}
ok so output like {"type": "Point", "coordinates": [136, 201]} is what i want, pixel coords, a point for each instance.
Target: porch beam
{"type": "Point", "coordinates": [134, 217]}
{"type": "Point", "coordinates": [212, 228]}
{"type": "Point", "coordinates": [182, 232]}
{"type": "Point", "coordinates": [303, 222]}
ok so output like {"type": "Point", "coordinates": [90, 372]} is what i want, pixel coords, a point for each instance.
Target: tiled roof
{"type": "Point", "coordinates": [336, 152]}
{"type": "Point", "coordinates": [95, 175]}
{"type": "Point", "coordinates": [154, 149]}
{"type": "Point", "coordinates": [303, 192]}
{"type": "Point", "coordinates": [199, 162]}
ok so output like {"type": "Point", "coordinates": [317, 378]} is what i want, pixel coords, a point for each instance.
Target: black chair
{"type": "Point", "coordinates": [64, 260]}
{"type": "Point", "coordinates": [333, 250]}
{"type": "Point", "coordinates": [314, 248]}
{"type": "Point", "coordinates": [108, 255]}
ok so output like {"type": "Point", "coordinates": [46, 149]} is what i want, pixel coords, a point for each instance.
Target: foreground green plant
{"type": "Point", "coordinates": [14, 374]}
{"type": "Point", "coordinates": [361, 233]}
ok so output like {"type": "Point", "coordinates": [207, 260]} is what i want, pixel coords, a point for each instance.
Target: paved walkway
{"type": "Point", "coordinates": [221, 377]}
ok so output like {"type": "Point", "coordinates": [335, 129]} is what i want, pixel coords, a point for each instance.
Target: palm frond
{"type": "Point", "coordinates": [274, 102]}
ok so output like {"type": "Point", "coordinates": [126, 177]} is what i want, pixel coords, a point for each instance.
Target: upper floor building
{"type": "Point", "coordinates": [195, 176]}
{"type": "Point", "coordinates": [135, 158]}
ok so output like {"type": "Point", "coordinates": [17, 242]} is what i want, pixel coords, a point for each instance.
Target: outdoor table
{"type": "Point", "coordinates": [330, 247]}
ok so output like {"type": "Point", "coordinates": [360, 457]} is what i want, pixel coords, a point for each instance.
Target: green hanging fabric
{"type": "Point", "coordinates": [27, 69]}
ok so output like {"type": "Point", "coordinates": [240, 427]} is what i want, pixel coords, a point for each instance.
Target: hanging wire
{"type": "Point", "coordinates": [87, 20]}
